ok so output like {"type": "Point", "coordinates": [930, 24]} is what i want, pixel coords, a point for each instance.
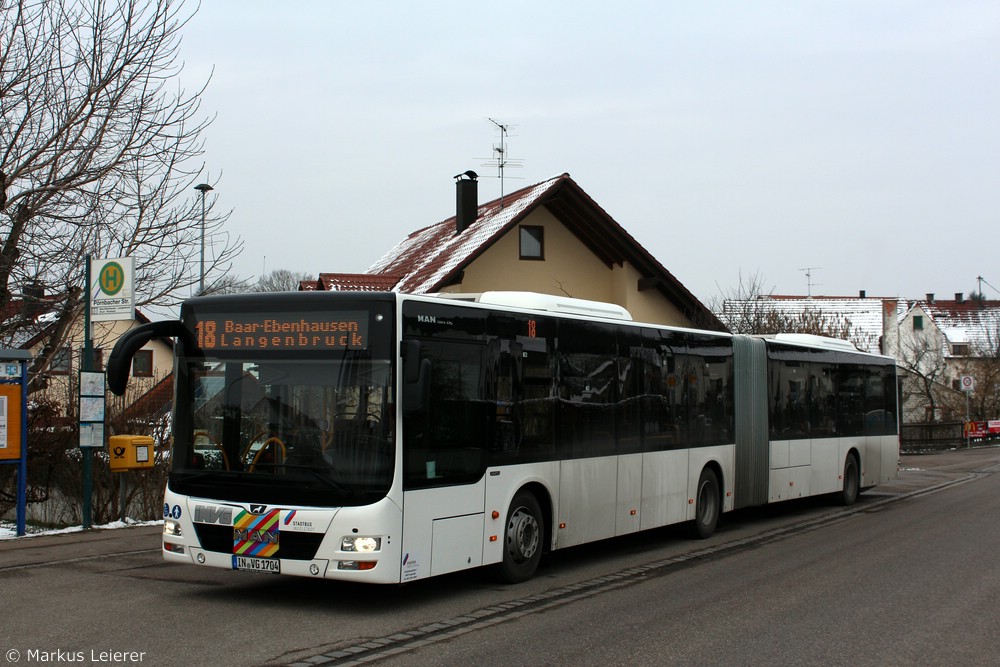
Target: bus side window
{"type": "Point", "coordinates": [417, 371]}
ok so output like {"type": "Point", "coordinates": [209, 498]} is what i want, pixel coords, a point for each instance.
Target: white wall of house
{"type": "Point", "coordinates": [63, 381]}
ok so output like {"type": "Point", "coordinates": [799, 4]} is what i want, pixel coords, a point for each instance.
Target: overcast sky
{"type": "Point", "coordinates": [857, 138]}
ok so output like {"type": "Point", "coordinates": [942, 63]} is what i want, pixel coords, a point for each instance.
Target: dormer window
{"type": "Point", "coordinates": [61, 361]}
{"type": "Point", "coordinates": [532, 242]}
{"type": "Point", "coordinates": [960, 349]}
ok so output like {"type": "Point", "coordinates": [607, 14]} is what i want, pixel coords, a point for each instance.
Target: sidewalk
{"type": "Point", "coordinates": [916, 472]}
{"type": "Point", "coordinates": [35, 549]}
{"type": "Point", "coordinates": [921, 471]}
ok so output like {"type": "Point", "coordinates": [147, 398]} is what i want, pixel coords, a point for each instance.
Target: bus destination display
{"type": "Point", "coordinates": [340, 330]}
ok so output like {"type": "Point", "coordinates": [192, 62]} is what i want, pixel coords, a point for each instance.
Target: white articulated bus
{"type": "Point", "coordinates": [385, 438]}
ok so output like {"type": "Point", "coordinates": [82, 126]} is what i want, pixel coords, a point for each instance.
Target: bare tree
{"type": "Point", "coordinates": [278, 280]}
{"type": "Point", "coordinates": [281, 280]}
{"type": "Point", "coordinates": [925, 374]}
{"type": "Point", "coordinates": [749, 309]}
{"type": "Point", "coordinates": [99, 148]}
{"type": "Point", "coordinates": [746, 308]}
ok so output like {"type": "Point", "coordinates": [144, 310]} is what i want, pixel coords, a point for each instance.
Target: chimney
{"type": "Point", "coordinates": [33, 294]}
{"type": "Point", "coordinates": [861, 294]}
{"type": "Point", "coordinates": [930, 297]}
{"type": "Point", "coordinates": [466, 200]}
{"type": "Point", "coordinates": [959, 298]}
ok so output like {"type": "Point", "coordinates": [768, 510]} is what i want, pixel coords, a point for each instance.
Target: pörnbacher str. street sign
{"type": "Point", "coordinates": [112, 289]}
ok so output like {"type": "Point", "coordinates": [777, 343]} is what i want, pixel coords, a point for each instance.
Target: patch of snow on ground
{"type": "Point", "coordinates": [8, 529]}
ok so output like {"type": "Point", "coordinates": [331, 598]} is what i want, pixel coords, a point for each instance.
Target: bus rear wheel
{"type": "Point", "coordinates": [852, 482]}
{"type": "Point", "coordinates": [523, 535]}
{"type": "Point", "coordinates": [707, 504]}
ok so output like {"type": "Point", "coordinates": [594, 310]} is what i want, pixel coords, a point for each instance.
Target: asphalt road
{"type": "Point", "coordinates": [905, 577]}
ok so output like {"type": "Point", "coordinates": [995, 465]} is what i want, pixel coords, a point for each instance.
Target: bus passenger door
{"type": "Point", "coordinates": [444, 462]}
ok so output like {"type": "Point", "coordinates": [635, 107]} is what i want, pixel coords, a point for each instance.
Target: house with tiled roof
{"type": "Point", "coordinates": [970, 326]}
{"type": "Point", "coordinates": [550, 237]}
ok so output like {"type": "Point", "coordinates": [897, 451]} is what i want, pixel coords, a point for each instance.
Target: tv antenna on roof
{"type": "Point", "coordinates": [809, 283]}
{"type": "Point", "coordinates": [981, 281]}
{"type": "Point", "coordinates": [500, 159]}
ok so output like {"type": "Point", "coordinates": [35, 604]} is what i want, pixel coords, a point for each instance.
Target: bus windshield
{"type": "Point", "coordinates": [284, 431]}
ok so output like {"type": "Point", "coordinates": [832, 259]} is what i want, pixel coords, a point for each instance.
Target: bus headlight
{"type": "Point", "coordinates": [361, 544]}
{"type": "Point", "coordinates": [171, 527]}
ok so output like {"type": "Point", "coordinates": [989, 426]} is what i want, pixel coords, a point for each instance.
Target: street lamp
{"type": "Point", "coordinates": [203, 188]}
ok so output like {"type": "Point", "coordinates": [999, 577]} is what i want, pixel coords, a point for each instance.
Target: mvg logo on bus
{"type": "Point", "coordinates": [209, 514]}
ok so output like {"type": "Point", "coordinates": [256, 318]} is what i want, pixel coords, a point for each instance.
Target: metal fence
{"type": "Point", "coordinates": [934, 436]}
{"type": "Point", "coordinates": [931, 436]}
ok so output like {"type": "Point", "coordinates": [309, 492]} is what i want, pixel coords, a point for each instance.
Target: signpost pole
{"type": "Point", "coordinates": [110, 296]}
{"type": "Point", "coordinates": [86, 366]}
{"type": "Point", "coordinates": [968, 431]}
{"type": "Point", "coordinates": [968, 384]}
{"type": "Point", "coordinates": [22, 468]}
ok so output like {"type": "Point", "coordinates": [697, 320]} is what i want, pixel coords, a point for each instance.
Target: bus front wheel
{"type": "Point", "coordinates": [707, 504]}
{"type": "Point", "coordinates": [523, 534]}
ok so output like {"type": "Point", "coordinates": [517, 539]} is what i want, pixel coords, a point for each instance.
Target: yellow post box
{"type": "Point", "coordinates": [130, 452]}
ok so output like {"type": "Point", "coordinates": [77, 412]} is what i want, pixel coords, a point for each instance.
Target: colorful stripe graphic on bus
{"type": "Point", "coordinates": [256, 535]}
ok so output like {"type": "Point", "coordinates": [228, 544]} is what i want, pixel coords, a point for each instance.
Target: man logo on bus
{"type": "Point", "coordinates": [112, 278]}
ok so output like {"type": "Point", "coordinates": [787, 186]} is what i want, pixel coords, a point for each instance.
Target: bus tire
{"type": "Point", "coordinates": [523, 534]}
{"type": "Point", "coordinates": [707, 504]}
{"type": "Point", "coordinates": [852, 482]}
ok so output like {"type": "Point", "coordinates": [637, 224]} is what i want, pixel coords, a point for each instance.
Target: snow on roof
{"type": "Point", "coordinates": [976, 323]}
{"type": "Point", "coordinates": [863, 313]}
{"type": "Point", "coordinates": [955, 334]}
{"type": "Point", "coordinates": [429, 255]}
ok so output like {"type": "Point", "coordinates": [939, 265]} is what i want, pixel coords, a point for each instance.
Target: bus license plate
{"type": "Point", "coordinates": [257, 564]}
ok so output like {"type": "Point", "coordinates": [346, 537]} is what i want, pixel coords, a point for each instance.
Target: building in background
{"type": "Point", "coordinates": [550, 237]}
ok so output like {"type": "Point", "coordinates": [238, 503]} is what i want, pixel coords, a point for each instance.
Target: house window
{"type": "Point", "coordinates": [142, 364]}
{"type": "Point", "coordinates": [918, 322]}
{"type": "Point", "coordinates": [959, 349]}
{"type": "Point", "coordinates": [61, 361]}
{"type": "Point", "coordinates": [532, 242]}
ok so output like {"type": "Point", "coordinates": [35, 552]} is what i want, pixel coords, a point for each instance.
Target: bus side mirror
{"type": "Point", "coordinates": [120, 361]}
{"type": "Point", "coordinates": [416, 379]}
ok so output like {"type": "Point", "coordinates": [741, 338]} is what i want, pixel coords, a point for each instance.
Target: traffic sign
{"type": "Point", "coordinates": [968, 383]}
